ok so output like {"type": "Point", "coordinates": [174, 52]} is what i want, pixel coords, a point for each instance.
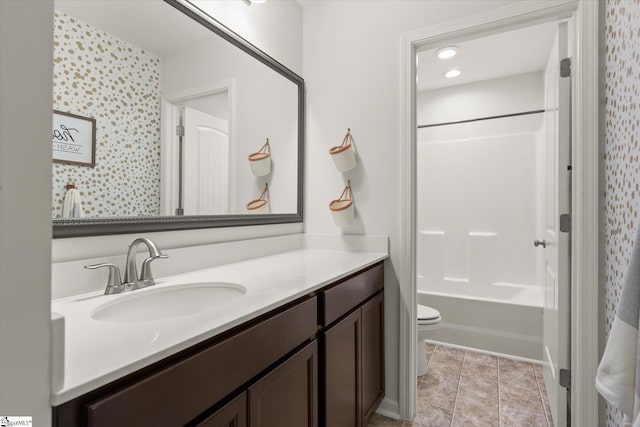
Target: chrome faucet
{"type": "Point", "coordinates": [131, 272]}
{"type": "Point", "coordinates": [114, 282]}
{"type": "Point", "coordinates": [115, 285]}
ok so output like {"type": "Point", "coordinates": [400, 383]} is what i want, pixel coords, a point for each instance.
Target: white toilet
{"type": "Point", "coordinates": [428, 321]}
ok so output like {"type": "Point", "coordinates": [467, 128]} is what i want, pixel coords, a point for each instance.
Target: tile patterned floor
{"type": "Point", "coordinates": [465, 388]}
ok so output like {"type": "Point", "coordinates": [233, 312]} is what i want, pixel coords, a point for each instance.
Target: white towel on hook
{"type": "Point", "coordinates": [618, 376]}
{"type": "Point", "coordinates": [72, 207]}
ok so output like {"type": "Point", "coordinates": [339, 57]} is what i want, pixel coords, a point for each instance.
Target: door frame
{"type": "Point", "coordinates": [585, 160]}
{"type": "Point", "coordinates": [170, 105]}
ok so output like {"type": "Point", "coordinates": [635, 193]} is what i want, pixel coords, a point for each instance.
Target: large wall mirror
{"type": "Point", "coordinates": [161, 121]}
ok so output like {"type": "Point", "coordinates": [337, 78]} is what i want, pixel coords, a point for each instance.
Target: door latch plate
{"type": "Point", "coordinates": [565, 378]}
{"type": "Point", "coordinates": [565, 223]}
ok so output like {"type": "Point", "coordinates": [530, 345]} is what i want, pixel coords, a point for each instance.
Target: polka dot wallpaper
{"type": "Point", "coordinates": [98, 75]}
{"type": "Point", "coordinates": [622, 151]}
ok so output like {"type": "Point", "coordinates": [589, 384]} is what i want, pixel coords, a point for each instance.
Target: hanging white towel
{"type": "Point", "coordinates": [618, 376]}
{"type": "Point", "coordinates": [72, 207]}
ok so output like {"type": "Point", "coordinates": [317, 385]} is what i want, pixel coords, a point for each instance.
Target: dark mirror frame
{"type": "Point", "coordinates": [104, 226]}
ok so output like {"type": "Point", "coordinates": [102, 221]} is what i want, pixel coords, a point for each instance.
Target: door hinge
{"type": "Point", "coordinates": [565, 67]}
{"type": "Point", "coordinates": [565, 223]}
{"type": "Point", "coordinates": [565, 378]}
{"type": "Point", "coordinates": [180, 130]}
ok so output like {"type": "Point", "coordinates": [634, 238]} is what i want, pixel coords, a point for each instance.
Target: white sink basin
{"type": "Point", "coordinates": [168, 302]}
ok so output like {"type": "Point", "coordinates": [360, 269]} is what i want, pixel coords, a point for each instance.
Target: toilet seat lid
{"type": "Point", "coordinates": [427, 313]}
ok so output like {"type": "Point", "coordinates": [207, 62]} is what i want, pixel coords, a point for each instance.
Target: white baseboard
{"type": "Point", "coordinates": [389, 408]}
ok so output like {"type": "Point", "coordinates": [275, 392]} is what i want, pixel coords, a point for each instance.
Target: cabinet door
{"type": "Point", "coordinates": [288, 395]}
{"type": "Point", "coordinates": [342, 373]}
{"type": "Point", "coordinates": [233, 414]}
{"type": "Point", "coordinates": [372, 314]}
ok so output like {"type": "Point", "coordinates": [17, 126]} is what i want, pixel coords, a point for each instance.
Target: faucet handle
{"type": "Point", "coordinates": [145, 274]}
{"type": "Point", "coordinates": [114, 282]}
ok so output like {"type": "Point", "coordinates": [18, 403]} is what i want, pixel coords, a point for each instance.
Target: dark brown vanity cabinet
{"type": "Point", "coordinates": [342, 373]}
{"type": "Point", "coordinates": [186, 388]}
{"type": "Point", "coordinates": [316, 361]}
{"type": "Point", "coordinates": [353, 349]}
{"type": "Point", "coordinates": [372, 319]}
{"type": "Point", "coordinates": [233, 414]}
{"type": "Point", "coordinates": [286, 396]}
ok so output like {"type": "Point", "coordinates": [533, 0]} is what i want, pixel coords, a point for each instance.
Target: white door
{"type": "Point", "coordinates": [556, 331]}
{"type": "Point", "coordinates": [206, 164]}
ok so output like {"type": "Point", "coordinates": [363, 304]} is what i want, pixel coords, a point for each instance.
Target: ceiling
{"type": "Point", "coordinates": [505, 54]}
{"type": "Point", "coordinates": [139, 22]}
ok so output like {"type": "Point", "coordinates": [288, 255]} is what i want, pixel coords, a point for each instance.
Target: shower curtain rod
{"type": "Point", "coordinates": [524, 113]}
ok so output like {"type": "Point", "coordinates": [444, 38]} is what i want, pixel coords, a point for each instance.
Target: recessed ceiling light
{"type": "Point", "coordinates": [447, 52]}
{"type": "Point", "coordinates": [452, 73]}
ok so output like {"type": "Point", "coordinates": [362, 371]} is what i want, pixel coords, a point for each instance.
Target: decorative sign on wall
{"type": "Point", "coordinates": [73, 139]}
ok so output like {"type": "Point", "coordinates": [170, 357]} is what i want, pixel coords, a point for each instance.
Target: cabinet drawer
{"type": "Point", "coordinates": [182, 391]}
{"type": "Point", "coordinates": [346, 295]}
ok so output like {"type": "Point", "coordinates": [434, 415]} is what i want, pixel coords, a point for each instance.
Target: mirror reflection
{"type": "Point", "coordinates": [178, 112]}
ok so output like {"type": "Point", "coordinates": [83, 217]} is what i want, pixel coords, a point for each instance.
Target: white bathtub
{"type": "Point", "coordinates": [497, 317]}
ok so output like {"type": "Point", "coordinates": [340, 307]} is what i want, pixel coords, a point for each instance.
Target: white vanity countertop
{"type": "Point", "coordinates": [98, 352]}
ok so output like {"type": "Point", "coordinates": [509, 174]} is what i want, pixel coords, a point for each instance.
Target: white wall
{"type": "Point", "coordinates": [275, 26]}
{"type": "Point", "coordinates": [479, 194]}
{"type": "Point", "coordinates": [26, 73]}
{"type": "Point", "coordinates": [352, 73]}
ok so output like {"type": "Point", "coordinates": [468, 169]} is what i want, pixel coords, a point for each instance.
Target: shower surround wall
{"type": "Point", "coordinates": [479, 183]}
{"type": "Point", "coordinates": [478, 211]}
{"type": "Point", "coordinates": [98, 75]}
{"type": "Point", "coordinates": [622, 154]}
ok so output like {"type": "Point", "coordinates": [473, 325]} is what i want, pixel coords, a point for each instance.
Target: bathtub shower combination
{"type": "Point", "coordinates": [479, 204]}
